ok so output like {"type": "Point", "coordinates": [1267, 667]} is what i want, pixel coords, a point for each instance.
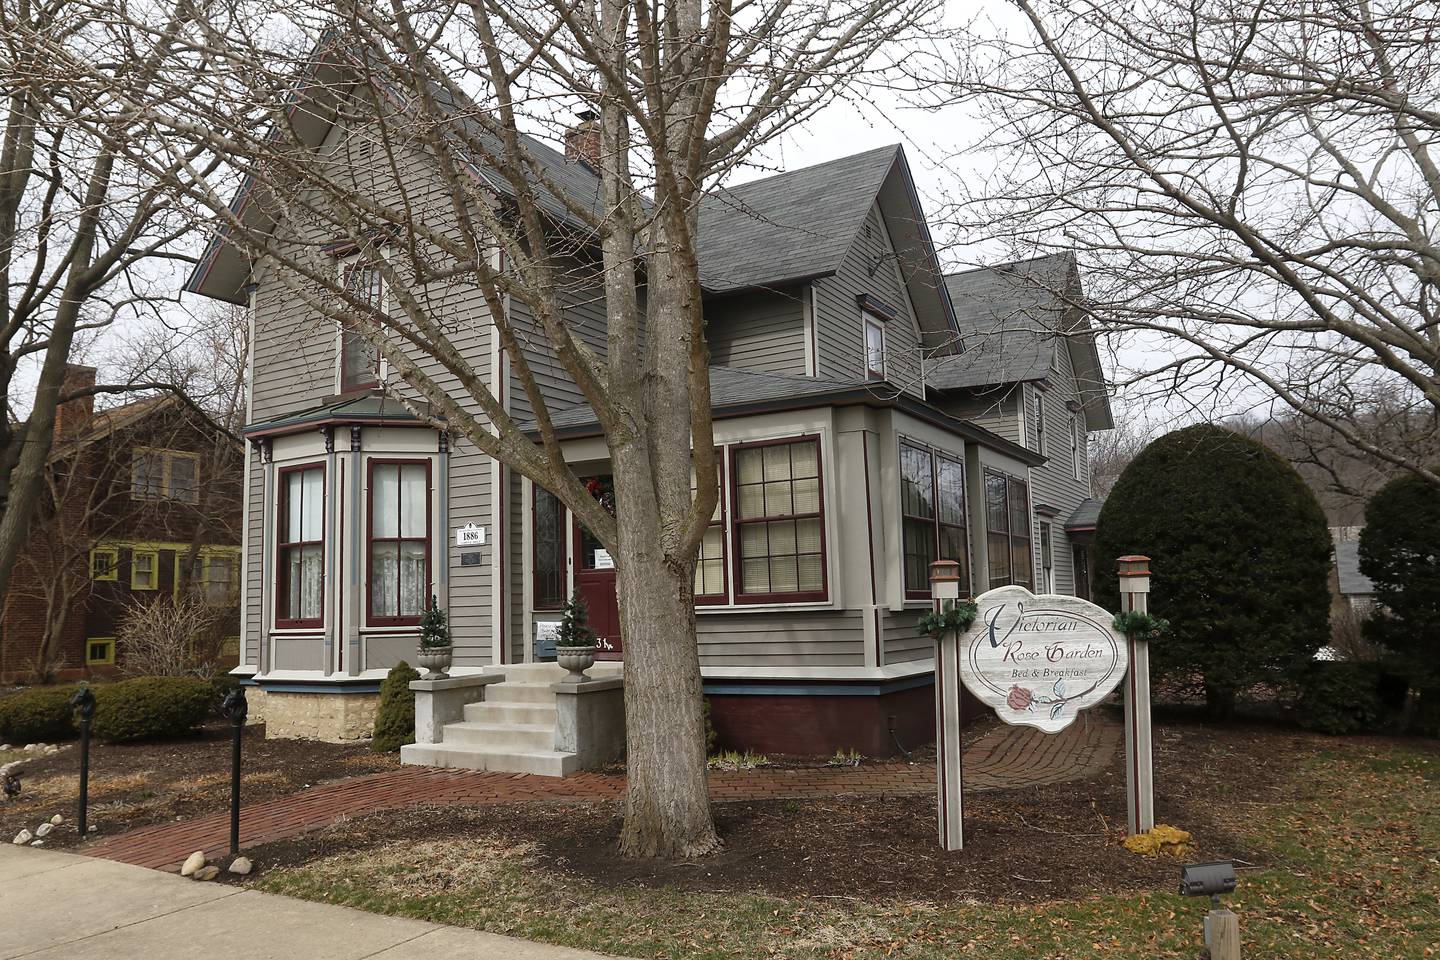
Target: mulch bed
{"type": "Point", "coordinates": [138, 784]}
{"type": "Point", "coordinates": [1035, 844]}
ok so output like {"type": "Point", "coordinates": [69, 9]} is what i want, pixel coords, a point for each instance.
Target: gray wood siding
{"type": "Point", "coordinates": [470, 611]}
{"type": "Point", "coordinates": [585, 313]}
{"type": "Point", "coordinates": [904, 643]}
{"type": "Point", "coordinates": [995, 410]}
{"type": "Point", "coordinates": [758, 331]}
{"type": "Point", "coordinates": [1054, 482]}
{"type": "Point", "coordinates": [813, 638]}
{"type": "Point", "coordinates": [871, 268]}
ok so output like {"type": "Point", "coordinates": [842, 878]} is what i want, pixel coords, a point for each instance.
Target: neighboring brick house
{"type": "Point", "coordinates": [133, 493]}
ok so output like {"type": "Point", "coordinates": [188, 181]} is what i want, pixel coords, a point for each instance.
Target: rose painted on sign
{"type": "Point", "coordinates": [1039, 661]}
{"type": "Point", "coordinates": [1019, 698]}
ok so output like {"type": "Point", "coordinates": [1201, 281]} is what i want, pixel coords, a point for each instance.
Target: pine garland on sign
{"type": "Point", "coordinates": [1142, 626]}
{"type": "Point", "coordinates": [955, 619]}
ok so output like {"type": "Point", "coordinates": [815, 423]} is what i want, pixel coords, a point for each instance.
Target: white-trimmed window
{"type": "Point", "coordinates": [1075, 445]}
{"type": "Point", "coordinates": [359, 360]}
{"type": "Point", "coordinates": [710, 575]}
{"type": "Point", "coordinates": [1007, 530]}
{"type": "Point", "coordinates": [1047, 558]}
{"type": "Point", "coordinates": [932, 517]}
{"type": "Point", "coordinates": [874, 348]}
{"type": "Point", "coordinates": [144, 569]}
{"type": "Point", "coordinates": [1039, 414]}
{"type": "Point", "coordinates": [157, 474]}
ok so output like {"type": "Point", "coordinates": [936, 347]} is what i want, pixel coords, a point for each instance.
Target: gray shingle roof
{"type": "Point", "coordinates": [1347, 569]}
{"type": "Point", "coordinates": [729, 387]}
{"type": "Point", "coordinates": [1085, 515]}
{"type": "Point", "coordinates": [370, 407]}
{"type": "Point", "coordinates": [790, 226]}
{"type": "Point", "coordinates": [1007, 315]}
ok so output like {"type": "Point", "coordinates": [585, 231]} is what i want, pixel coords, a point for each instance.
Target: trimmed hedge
{"type": "Point", "coordinates": [1338, 698]}
{"type": "Point", "coordinates": [395, 715]}
{"type": "Point", "coordinates": [40, 714]}
{"type": "Point", "coordinates": [147, 708]}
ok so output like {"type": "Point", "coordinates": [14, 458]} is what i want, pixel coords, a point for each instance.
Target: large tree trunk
{"type": "Point", "coordinates": [667, 798]}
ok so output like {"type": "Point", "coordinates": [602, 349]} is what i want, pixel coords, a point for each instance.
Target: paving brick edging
{"type": "Point", "coordinates": [1002, 758]}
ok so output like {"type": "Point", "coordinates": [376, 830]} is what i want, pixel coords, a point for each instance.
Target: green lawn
{"type": "Point", "coordinates": [1356, 875]}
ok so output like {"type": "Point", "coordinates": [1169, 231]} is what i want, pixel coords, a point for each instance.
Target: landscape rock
{"type": "Point", "coordinates": [207, 873]}
{"type": "Point", "coordinates": [11, 767]}
{"type": "Point", "coordinates": [57, 820]}
{"type": "Point", "coordinates": [37, 843]}
{"type": "Point", "coordinates": [93, 828]}
{"type": "Point", "coordinates": [44, 829]}
{"type": "Point", "coordinates": [4, 746]}
{"type": "Point", "coordinates": [23, 837]}
{"type": "Point", "coordinates": [32, 747]}
{"type": "Point", "coordinates": [241, 866]}
{"type": "Point", "coordinates": [52, 749]}
{"type": "Point", "coordinates": [193, 864]}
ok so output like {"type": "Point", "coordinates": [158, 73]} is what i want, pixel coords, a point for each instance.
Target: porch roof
{"type": "Point", "coordinates": [739, 393]}
{"type": "Point", "coordinates": [1084, 517]}
{"type": "Point", "coordinates": [368, 409]}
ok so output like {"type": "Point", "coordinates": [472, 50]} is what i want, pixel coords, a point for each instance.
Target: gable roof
{"type": "Point", "coordinates": [800, 225]}
{"type": "Point", "coordinates": [790, 227]}
{"type": "Point", "coordinates": [1013, 317]}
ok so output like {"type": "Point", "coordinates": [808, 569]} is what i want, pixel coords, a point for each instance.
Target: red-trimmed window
{"type": "Point", "coordinates": [548, 545]}
{"type": "Point", "coordinates": [359, 360]}
{"type": "Point", "coordinates": [710, 576]}
{"type": "Point", "coordinates": [1007, 530]}
{"type": "Point", "coordinates": [932, 508]}
{"type": "Point", "coordinates": [779, 522]}
{"type": "Point", "coordinates": [399, 547]}
{"type": "Point", "coordinates": [300, 591]}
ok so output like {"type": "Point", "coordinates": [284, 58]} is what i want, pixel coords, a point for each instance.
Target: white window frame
{"type": "Point", "coordinates": [871, 321]}
{"type": "Point", "coordinates": [167, 463]}
{"type": "Point", "coordinates": [1039, 411]}
{"type": "Point", "coordinates": [1075, 445]}
{"type": "Point", "coordinates": [382, 366]}
{"type": "Point", "coordinates": [1046, 532]}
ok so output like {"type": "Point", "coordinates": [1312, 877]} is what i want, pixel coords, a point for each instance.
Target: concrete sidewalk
{"type": "Point", "coordinates": [62, 905]}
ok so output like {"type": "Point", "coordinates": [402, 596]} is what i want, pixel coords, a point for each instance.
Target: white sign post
{"type": "Point", "coordinates": [1036, 660]}
{"type": "Point", "coordinates": [1134, 574]}
{"type": "Point", "coordinates": [945, 588]}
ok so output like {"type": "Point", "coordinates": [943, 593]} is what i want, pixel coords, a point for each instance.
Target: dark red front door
{"type": "Point", "coordinates": [595, 582]}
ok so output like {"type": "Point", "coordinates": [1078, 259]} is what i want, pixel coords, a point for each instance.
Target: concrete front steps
{"type": "Point", "coordinates": [512, 730]}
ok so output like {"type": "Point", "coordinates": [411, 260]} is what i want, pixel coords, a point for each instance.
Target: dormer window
{"type": "Point", "coordinates": [359, 360]}
{"type": "Point", "coordinates": [874, 348]}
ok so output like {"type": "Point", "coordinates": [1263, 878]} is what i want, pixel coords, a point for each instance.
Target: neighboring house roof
{"type": "Point", "coordinates": [1012, 318]}
{"type": "Point", "coordinates": [1085, 516]}
{"type": "Point", "coordinates": [105, 422]}
{"type": "Point", "coordinates": [372, 408]}
{"type": "Point", "coordinates": [1347, 569]}
{"type": "Point", "coordinates": [736, 393]}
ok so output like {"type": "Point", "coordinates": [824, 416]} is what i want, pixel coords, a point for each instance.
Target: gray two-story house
{"type": "Point", "coordinates": [843, 475]}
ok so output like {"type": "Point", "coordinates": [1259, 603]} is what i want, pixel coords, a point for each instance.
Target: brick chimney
{"type": "Point", "coordinates": [582, 141]}
{"type": "Point", "coordinates": [73, 417]}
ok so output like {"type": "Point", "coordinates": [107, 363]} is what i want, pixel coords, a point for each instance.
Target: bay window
{"type": "Point", "coordinates": [779, 522]}
{"type": "Point", "coordinates": [1007, 530]}
{"type": "Point", "coordinates": [300, 592]}
{"type": "Point", "coordinates": [399, 545]}
{"type": "Point", "coordinates": [932, 509]}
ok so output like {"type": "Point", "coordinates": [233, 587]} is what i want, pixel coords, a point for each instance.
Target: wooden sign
{"type": "Point", "coordinates": [1039, 660]}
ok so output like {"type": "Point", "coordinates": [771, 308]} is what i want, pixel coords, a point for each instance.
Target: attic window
{"type": "Point", "coordinates": [359, 359]}
{"type": "Point", "coordinates": [874, 349]}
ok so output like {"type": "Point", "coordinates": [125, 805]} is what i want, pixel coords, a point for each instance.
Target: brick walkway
{"type": "Point", "coordinates": [1003, 757]}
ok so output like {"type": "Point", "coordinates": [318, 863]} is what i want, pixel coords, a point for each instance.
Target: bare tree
{"type": "Point", "coordinates": [1251, 187]}
{"type": "Point", "coordinates": [440, 183]}
{"type": "Point", "coordinates": [78, 222]}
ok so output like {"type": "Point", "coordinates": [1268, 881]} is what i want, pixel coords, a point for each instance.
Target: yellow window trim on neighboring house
{"type": "Point", "coordinates": [106, 648]}
{"type": "Point", "coordinates": [203, 557]}
{"type": "Point", "coordinates": [111, 567]}
{"type": "Point", "coordinates": [154, 556]}
{"type": "Point", "coordinates": [163, 485]}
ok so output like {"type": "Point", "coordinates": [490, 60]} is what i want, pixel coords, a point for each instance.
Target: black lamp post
{"type": "Point", "coordinates": [235, 708]}
{"type": "Point", "coordinates": [83, 703]}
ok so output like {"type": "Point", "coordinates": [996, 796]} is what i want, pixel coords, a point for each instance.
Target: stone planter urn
{"type": "Point", "coordinates": [576, 660]}
{"type": "Point", "coordinates": [435, 660]}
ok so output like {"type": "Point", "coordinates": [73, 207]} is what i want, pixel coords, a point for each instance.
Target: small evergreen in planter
{"type": "Point", "coordinates": [574, 640]}
{"type": "Point", "coordinates": [436, 650]}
